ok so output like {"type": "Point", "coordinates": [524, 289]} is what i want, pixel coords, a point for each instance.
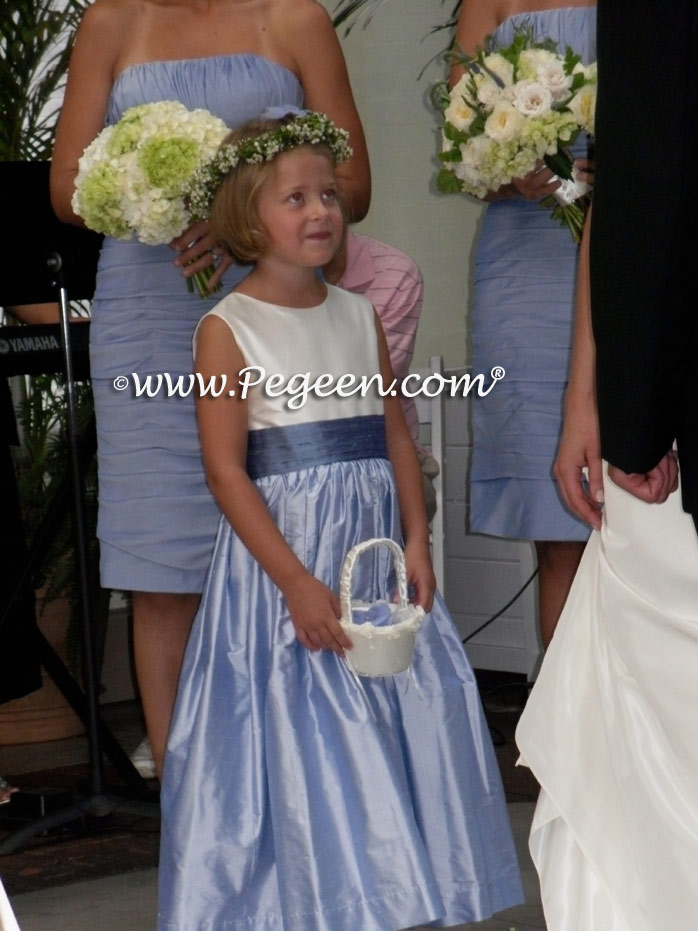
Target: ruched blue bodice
{"type": "Point", "coordinates": [522, 320]}
{"type": "Point", "coordinates": [157, 520]}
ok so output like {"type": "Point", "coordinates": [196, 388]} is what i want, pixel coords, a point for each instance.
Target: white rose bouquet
{"type": "Point", "coordinates": [512, 108]}
{"type": "Point", "coordinates": [135, 176]}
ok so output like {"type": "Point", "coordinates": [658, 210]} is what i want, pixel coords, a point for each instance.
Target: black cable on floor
{"type": "Point", "coordinates": [501, 611]}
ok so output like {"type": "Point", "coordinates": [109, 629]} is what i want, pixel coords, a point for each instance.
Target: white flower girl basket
{"type": "Point", "coordinates": [378, 650]}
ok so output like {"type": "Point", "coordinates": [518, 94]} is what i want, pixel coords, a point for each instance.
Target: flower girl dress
{"type": "Point", "coordinates": [297, 797]}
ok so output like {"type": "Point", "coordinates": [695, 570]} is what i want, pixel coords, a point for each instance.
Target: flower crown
{"type": "Point", "coordinates": [306, 127]}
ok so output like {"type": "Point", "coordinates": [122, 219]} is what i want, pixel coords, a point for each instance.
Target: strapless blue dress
{"type": "Point", "coordinates": [157, 520]}
{"type": "Point", "coordinates": [522, 320]}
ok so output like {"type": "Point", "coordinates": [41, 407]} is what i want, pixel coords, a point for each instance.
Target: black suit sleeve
{"type": "Point", "coordinates": [642, 264]}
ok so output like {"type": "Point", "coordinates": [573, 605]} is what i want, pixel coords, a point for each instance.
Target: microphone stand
{"type": "Point", "coordinates": [99, 803]}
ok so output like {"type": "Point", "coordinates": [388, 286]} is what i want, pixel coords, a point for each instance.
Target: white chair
{"type": "Point", "coordinates": [430, 410]}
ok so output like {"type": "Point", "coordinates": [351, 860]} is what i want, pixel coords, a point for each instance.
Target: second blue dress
{"type": "Point", "coordinates": [157, 519]}
{"type": "Point", "coordinates": [522, 320]}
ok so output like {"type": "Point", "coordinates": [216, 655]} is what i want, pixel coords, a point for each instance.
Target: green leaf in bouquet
{"type": "Point", "coordinates": [477, 127]}
{"type": "Point", "coordinates": [439, 95]}
{"type": "Point", "coordinates": [523, 38]}
{"type": "Point", "coordinates": [447, 183]}
{"type": "Point", "coordinates": [571, 60]}
{"type": "Point", "coordinates": [450, 155]}
{"type": "Point", "coordinates": [457, 136]}
{"type": "Point", "coordinates": [578, 80]}
{"type": "Point", "coordinates": [560, 164]}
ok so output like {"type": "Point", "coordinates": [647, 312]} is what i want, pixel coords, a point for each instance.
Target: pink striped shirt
{"type": "Point", "coordinates": [393, 283]}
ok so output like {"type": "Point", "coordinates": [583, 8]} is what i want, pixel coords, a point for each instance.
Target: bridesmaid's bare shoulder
{"type": "Point", "coordinates": [301, 16]}
{"type": "Point", "coordinates": [111, 13]}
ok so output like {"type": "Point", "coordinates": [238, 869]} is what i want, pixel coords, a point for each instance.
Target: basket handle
{"type": "Point", "coordinates": [345, 575]}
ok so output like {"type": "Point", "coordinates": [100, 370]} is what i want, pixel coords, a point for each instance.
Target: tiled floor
{"type": "Point", "coordinates": [128, 902]}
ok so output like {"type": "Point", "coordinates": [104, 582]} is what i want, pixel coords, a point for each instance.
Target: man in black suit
{"type": "Point", "coordinates": [609, 729]}
{"type": "Point", "coordinates": [642, 265]}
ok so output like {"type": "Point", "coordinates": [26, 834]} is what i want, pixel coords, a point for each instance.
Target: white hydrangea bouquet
{"type": "Point", "coordinates": [136, 175]}
{"type": "Point", "coordinates": [512, 108]}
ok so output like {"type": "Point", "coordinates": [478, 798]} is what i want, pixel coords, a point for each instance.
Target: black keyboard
{"type": "Point", "coordinates": [36, 349]}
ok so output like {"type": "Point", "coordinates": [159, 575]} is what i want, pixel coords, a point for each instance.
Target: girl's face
{"type": "Point", "coordinates": [299, 209]}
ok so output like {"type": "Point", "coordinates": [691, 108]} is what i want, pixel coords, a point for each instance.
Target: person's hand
{"type": "Point", "coordinates": [315, 610]}
{"type": "Point", "coordinates": [6, 791]}
{"type": "Point", "coordinates": [537, 184]}
{"type": "Point", "coordinates": [578, 469]}
{"type": "Point", "coordinates": [654, 486]}
{"type": "Point", "coordinates": [584, 170]}
{"type": "Point", "coordinates": [420, 574]}
{"type": "Point", "coordinates": [198, 250]}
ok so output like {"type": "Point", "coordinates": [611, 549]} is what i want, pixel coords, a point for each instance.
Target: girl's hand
{"type": "Point", "coordinates": [315, 611]}
{"type": "Point", "coordinates": [198, 250]}
{"type": "Point", "coordinates": [537, 184]}
{"type": "Point", "coordinates": [420, 574]}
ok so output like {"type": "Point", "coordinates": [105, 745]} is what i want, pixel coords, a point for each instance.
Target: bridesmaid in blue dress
{"type": "Point", "coordinates": [157, 520]}
{"type": "Point", "coordinates": [522, 320]}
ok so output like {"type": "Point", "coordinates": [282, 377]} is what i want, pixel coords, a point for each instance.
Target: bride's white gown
{"type": "Point", "coordinates": [7, 918]}
{"type": "Point", "coordinates": [611, 730]}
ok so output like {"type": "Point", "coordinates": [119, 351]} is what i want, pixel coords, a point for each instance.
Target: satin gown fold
{"type": "Point", "coordinates": [157, 520]}
{"type": "Point", "coordinates": [525, 267]}
{"type": "Point", "coordinates": [296, 798]}
{"type": "Point", "coordinates": [8, 922]}
{"type": "Point", "coordinates": [610, 730]}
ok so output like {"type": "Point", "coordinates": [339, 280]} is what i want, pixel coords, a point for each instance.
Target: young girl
{"type": "Point", "coordinates": [295, 799]}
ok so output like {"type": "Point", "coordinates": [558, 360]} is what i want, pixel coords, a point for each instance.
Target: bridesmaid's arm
{"type": "Point", "coordinates": [580, 447]}
{"type": "Point", "coordinates": [90, 76]}
{"type": "Point", "coordinates": [322, 71]}
{"type": "Point", "coordinates": [477, 20]}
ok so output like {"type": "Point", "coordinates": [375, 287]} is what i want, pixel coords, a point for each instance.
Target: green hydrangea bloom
{"type": "Point", "coordinates": [100, 202]}
{"type": "Point", "coordinates": [169, 163]}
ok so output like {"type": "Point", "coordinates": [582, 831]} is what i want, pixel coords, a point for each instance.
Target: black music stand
{"type": "Point", "coordinates": [51, 260]}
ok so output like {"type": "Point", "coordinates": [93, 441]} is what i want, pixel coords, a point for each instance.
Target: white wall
{"type": "Point", "coordinates": [385, 60]}
{"type": "Point", "coordinates": [484, 573]}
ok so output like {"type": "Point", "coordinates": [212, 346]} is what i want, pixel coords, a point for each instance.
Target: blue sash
{"type": "Point", "coordinates": [277, 450]}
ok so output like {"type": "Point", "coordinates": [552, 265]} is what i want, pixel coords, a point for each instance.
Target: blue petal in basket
{"type": "Point", "coordinates": [383, 634]}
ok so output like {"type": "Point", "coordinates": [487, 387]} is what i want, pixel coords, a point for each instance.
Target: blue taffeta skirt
{"type": "Point", "coordinates": [295, 798]}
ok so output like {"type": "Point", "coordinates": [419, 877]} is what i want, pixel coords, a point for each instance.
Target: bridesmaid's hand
{"type": "Point", "coordinates": [198, 250]}
{"type": "Point", "coordinates": [578, 468]}
{"type": "Point", "coordinates": [537, 184]}
{"type": "Point", "coordinates": [585, 170]}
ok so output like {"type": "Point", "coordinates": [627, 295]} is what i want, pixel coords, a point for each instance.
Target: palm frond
{"type": "Point", "coordinates": [35, 43]}
{"type": "Point", "coordinates": [349, 12]}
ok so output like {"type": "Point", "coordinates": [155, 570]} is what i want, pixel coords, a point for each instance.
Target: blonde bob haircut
{"type": "Point", "coordinates": [234, 220]}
